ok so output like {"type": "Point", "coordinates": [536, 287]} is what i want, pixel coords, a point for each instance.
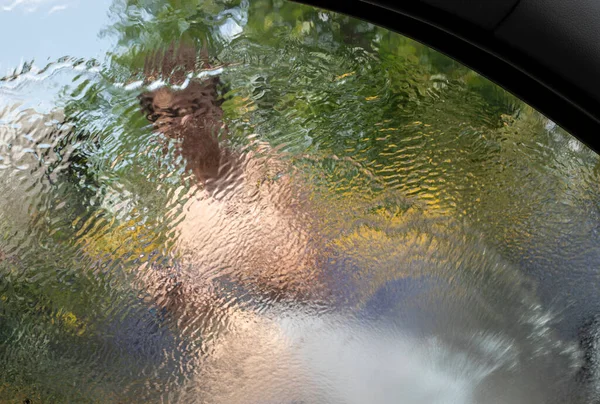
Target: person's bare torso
{"type": "Point", "coordinates": [243, 220]}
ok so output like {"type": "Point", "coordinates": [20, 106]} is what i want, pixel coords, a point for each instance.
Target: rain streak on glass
{"type": "Point", "coordinates": [228, 201]}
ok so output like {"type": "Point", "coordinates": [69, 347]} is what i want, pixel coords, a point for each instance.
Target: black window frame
{"type": "Point", "coordinates": [480, 50]}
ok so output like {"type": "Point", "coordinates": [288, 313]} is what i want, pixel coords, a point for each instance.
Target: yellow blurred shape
{"type": "Point", "coordinates": [344, 75]}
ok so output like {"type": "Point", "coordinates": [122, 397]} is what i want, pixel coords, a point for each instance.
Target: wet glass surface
{"type": "Point", "coordinates": [262, 202]}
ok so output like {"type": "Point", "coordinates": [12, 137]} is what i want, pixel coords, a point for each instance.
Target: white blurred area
{"type": "Point", "coordinates": [295, 357]}
{"type": "Point", "coordinates": [45, 30]}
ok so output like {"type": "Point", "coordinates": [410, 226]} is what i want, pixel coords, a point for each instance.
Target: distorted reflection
{"type": "Point", "coordinates": [263, 202]}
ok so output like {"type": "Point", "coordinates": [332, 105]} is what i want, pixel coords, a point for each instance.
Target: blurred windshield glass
{"type": "Point", "coordinates": [225, 201]}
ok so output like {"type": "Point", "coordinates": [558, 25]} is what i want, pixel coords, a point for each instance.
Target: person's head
{"type": "Point", "coordinates": [185, 107]}
{"type": "Point", "coordinates": [169, 109]}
